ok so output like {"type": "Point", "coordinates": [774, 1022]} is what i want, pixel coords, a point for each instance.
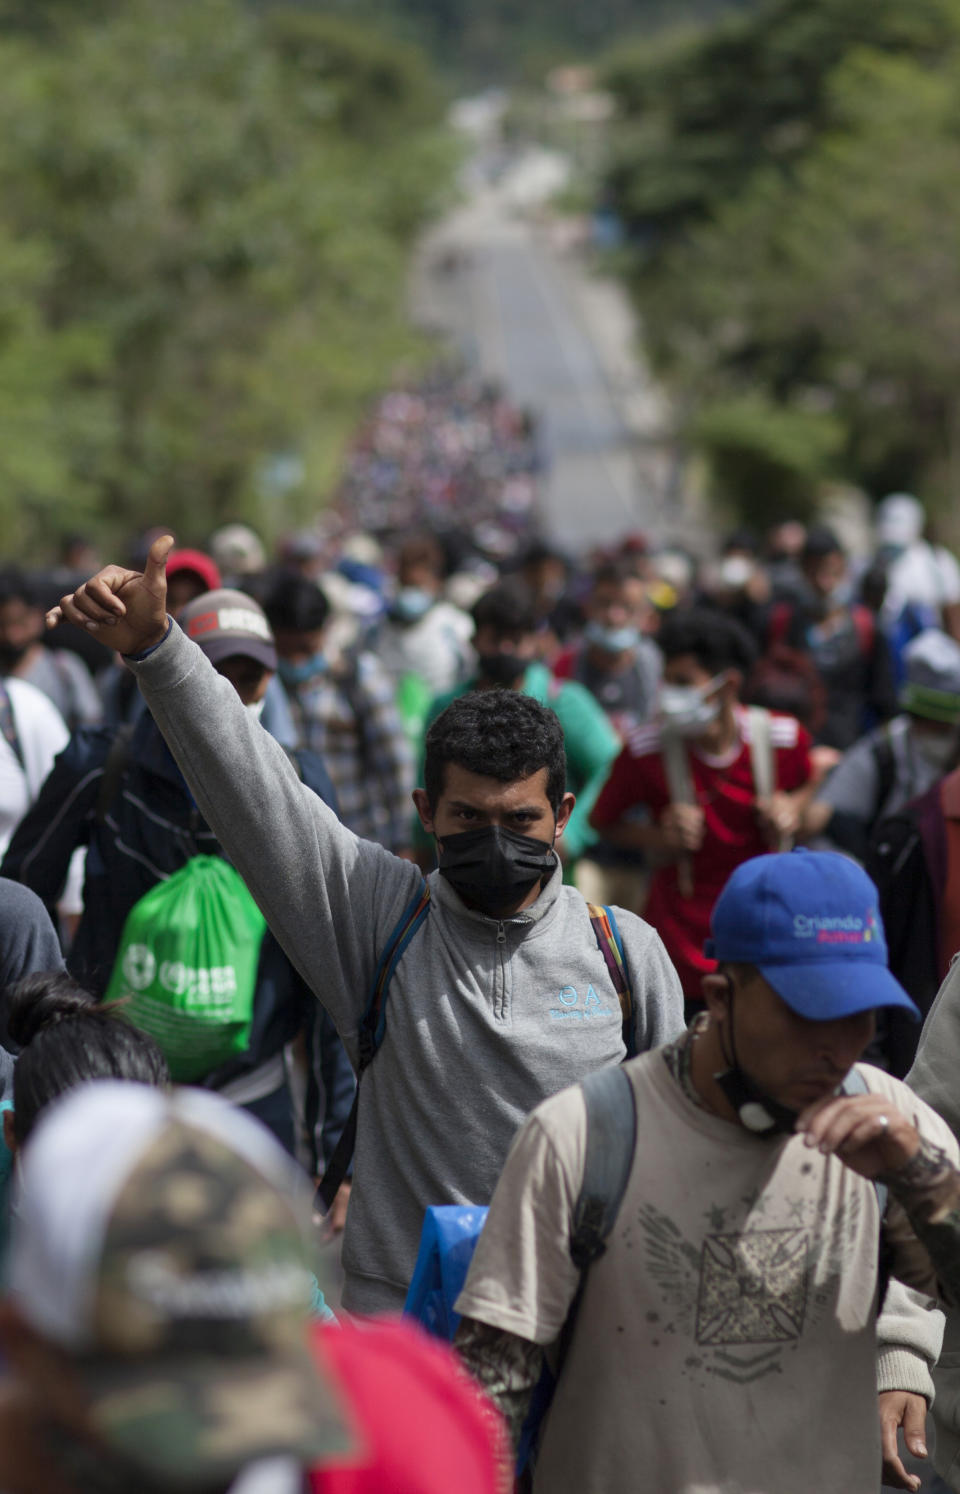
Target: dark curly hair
{"type": "Point", "coordinates": [65, 1038]}
{"type": "Point", "coordinates": [716, 642]}
{"type": "Point", "coordinates": [497, 734]}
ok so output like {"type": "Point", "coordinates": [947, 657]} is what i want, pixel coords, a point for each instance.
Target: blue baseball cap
{"type": "Point", "coordinates": [809, 922]}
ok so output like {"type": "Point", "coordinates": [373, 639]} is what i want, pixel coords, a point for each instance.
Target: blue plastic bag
{"type": "Point", "coordinates": [447, 1242]}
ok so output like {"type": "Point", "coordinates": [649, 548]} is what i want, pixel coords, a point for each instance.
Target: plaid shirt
{"type": "Point", "coordinates": [348, 715]}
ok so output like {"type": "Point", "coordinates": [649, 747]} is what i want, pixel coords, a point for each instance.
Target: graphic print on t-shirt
{"type": "Point", "coordinates": [753, 1287]}
{"type": "Point", "coordinates": [744, 1296]}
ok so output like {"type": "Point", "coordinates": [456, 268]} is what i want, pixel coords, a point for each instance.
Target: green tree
{"type": "Point", "coordinates": [214, 228]}
{"type": "Point", "coordinates": [702, 110]}
{"type": "Point", "coordinates": [806, 311]}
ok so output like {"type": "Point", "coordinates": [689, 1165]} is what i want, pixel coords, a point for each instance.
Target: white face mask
{"type": "Point", "coordinates": [736, 571]}
{"type": "Point", "coordinates": [255, 708]}
{"type": "Point", "coordinates": [686, 709]}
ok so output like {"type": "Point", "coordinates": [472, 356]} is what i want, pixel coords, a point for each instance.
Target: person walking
{"type": "Point", "coordinates": [126, 800]}
{"type": "Point", "coordinates": [499, 996]}
{"type": "Point", "coordinates": [734, 1305]}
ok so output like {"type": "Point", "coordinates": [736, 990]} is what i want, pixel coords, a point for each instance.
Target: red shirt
{"type": "Point", "coordinates": [725, 791]}
{"type": "Point", "coordinates": [422, 1425]}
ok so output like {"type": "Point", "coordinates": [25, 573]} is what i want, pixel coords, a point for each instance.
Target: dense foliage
{"type": "Point", "coordinates": [207, 215]}
{"type": "Point", "coordinates": [501, 40]}
{"type": "Point", "coordinates": [786, 179]}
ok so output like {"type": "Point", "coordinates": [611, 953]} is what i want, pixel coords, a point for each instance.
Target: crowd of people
{"type": "Point", "coordinates": [432, 868]}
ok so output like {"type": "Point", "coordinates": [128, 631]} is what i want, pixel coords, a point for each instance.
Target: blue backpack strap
{"type": "Point", "coordinates": [610, 944]}
{"type": "Point", "coordinates": [370, 1036]}
{"type": "Point", "coordinates": [373, 1021]}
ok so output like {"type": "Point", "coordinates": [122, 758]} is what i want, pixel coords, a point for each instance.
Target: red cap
{"type": "Point", "coordinates": [426, 1428]}
{"type": "Point", "coordinates": [201, 565]}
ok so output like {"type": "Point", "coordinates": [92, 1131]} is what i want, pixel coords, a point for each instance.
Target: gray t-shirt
{"type": "Point", "coordinates": [879, 774]}
{"type": "Point", "coordinates": [65, 679]}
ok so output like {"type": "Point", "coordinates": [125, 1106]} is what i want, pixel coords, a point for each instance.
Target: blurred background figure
{"type": "Point", "coordinates": [57, 672]}
{"type": "Point", "coordinates": [849, 652]}
{"type": "Point", "coordinates": [190, 573]}
{"type": "Point", "coordinates": [901, 759]}
{"type": "Point", "coordinates": [344, 709]}
{"type": "Point", "coordinates": [508, 629]}
{"type": "Point", "coordinates": [238, 552]}
{"type": "Point", "coordinates": [423, 634]}
{"type": "Point", "coordinates": [920, 575]}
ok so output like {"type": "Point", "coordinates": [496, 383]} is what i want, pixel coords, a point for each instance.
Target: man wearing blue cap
{"type": "Point", "coordinates": [734, 1307]}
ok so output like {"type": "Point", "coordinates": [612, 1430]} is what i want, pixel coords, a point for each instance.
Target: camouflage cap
{"type": "Point", "coordinates": [194, 1304]}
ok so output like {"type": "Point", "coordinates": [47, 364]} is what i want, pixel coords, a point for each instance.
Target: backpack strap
{"type": "Point", "coordinates": [8, 725]}
{"type": "Point", "coordinates": [370, 1036]}
{"type": "Point", "coordinates": [114, 764]}
{"type": "Point", "coordinates": [610, 1146]}
{"type": "Point", "coordinates": [610, 944]}
{"type": "Point", "coordinates": [763, 763]}
{"type": "Point", "coordinates": [884, 756]}
{"type": "Point", "coordinates": [676, 768]}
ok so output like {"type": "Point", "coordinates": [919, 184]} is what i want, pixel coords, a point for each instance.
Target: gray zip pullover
{"type": "Point", "coordinates": [484, 1018]}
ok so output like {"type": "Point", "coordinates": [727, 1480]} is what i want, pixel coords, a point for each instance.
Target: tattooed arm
{"type": "Point", "coordinates": [874, 1138]}
{"type": "Point", "coordinates": [505, 1366]}
{"type": "Point", "coordinates": [927, 1188]}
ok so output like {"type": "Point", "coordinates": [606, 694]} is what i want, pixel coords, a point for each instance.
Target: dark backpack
{"type": "Point", "coordinates": [785, 678]}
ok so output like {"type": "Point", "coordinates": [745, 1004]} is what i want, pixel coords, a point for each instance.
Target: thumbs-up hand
{"type": "Point", "coordinates": [127, 610]}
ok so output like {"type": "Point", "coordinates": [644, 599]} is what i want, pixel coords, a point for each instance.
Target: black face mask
{"type": "Point", "coordinates": [501, 669]}
{"type": "Point", "coordinates": [493, 868]}
{"type": "Point", "coordinates": [10, 656]}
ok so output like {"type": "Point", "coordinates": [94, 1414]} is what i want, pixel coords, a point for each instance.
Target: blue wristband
{"type": "Point", "coordinates": [139, 658]}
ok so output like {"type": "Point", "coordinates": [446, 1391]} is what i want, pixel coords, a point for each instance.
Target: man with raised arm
{"type": "Point", "coordinates": [505, 992]}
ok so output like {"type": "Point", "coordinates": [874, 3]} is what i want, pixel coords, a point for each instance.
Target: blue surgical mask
{"type": "Point", "coordinates": [611, 640]}
{"type": "Point", "coordinates": [411, 603]}
{"type": "Point", "coordinates": [306, 669]}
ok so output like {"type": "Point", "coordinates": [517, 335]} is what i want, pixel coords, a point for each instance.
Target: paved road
{"type": "Point", "coordinates": [526, 313]}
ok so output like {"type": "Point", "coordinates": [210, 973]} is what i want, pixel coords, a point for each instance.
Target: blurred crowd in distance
{"type": "Point", "coordinates": [778, 692]}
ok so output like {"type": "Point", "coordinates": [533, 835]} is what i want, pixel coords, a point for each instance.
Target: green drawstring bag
{"type": "Point", "coordinates": [187, 966]}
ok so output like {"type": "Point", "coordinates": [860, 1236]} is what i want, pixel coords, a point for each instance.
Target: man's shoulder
{"type": "Point", "coordinates": [630, 925]}
{"type": "Point", "coordinates": [69, 663]}
{"type": "Point", "coordinates": [785, 731]}
{"type": "Point", "coordinates": [645, 740]}
{"type": "Point", "coordinates": [579, 711]}
{"type": "Point", "coordinates": [564, 1114]}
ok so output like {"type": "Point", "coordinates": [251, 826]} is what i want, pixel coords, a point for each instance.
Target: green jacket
{"type": "Point", "coordinates": [591, 743]}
